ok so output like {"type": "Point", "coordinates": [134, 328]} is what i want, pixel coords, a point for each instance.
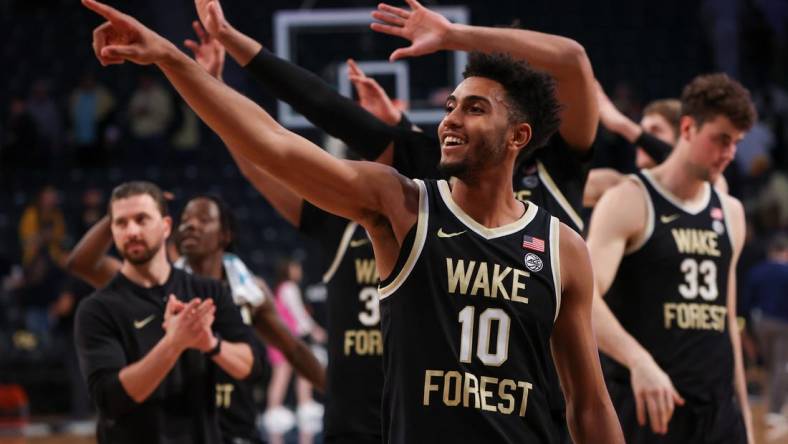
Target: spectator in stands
{"type": "Point", "coordinates": [291, 309]}
{"type": "Point", "coordinates": [20, 144]}
{"type": "Point", "coordinates": [42, 232]}
{"type": "Point", "coordinates": [46, 115]}
{"type": "Point", "coordinates": [42, 229]}
{"type": "Point", "coordinates": [150, 112]}
{"type": "Point", "coordinates": [767, 287]}
{"type": "Point", "coordinates": [90, 107]}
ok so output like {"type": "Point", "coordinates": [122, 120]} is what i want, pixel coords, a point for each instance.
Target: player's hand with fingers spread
{"type": "Point", "coordinates": [209, 52]}
{"type": "Point", "coordinates": [123, 38]}
{"type": "Point", "coordinates": [212, 16]}
{"type": "Point", "coordinates": [655, 396]}
{"type": "Point", "coordinates": [425, 29]}
{"type": "Point", "coordinates": [371, 96]}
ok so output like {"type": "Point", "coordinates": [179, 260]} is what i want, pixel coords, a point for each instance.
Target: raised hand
{"type": "Point", "coordinates": [424, 28]}
{"type": "Point", "coordinates": [371, 95]}
{"type": "Point", "coordinates": [211, 16]}
{"type": "Point", "coordinates": [123, 38]}
{"type": "Point", "coordinates": [654, 395]}
{"type": "Point", "coordinates": [209, 52]}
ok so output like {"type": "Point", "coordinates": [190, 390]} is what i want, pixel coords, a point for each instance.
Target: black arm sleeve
{"type": "Point", "coordinates": [655, 148]}
{"type": "Point", "coordinates": [101, 357]}
{"type": "Point", "coordinates": [322, 105]}
{"type": "Point", "coordinates": [230, 326]}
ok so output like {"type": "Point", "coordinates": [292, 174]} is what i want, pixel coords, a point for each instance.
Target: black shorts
{"type": "Point", "coordinates": [715, 422]}
{"type": "Point", "coordinates": [352, 439]}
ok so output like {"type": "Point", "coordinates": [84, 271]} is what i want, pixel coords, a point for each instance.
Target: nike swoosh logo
{"type": "Point", "coordinates": [444, 234]}
{"type": "Point", "coordinates": [139, 324]}
{"type": "Point", "coordinates": [668, 219]}
{"type": "Point", "coordinates": [358, 243]}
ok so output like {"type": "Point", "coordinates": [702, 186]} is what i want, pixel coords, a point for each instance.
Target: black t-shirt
{"type": "Point", "coordinates": [117, 326]}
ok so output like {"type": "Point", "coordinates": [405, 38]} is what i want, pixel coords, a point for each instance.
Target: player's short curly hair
{"type": "Point", "coordinates": [710, 95]}
{"type": "Point", "coordinates": [530, 94]}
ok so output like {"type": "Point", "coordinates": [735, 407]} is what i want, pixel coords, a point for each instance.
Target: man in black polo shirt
{"type": "Point", "coordinates": [146, 341]}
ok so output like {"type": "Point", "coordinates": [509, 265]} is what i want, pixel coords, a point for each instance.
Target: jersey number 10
{"type": "Point", "coordinates": [483, 341]}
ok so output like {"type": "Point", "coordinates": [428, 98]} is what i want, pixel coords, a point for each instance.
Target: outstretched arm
{"type": "Point", "coordinates": [612, 228]}
{"type": "Point", "coordinates": [616, 122]}
{"type": "Point", "coordinates": [89, 260]}
{"type": "Point", "coordinates": [371, 194]}
{"type": "Point", "coordinates": [590, 413]}
{"type": "Point", "coordinates": [364, 133]}
{"type": "Point", "coordinates": [563, 58]}
{"type": "Point", "coordinates": [209, 53]}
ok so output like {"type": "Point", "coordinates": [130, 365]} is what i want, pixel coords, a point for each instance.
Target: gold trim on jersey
{"type": "Point", "coordinates": [555, 261]}
{"type": "Point", "coordinates": [476, 227]}
{"type": "Point", "coordinates": [649, 228]}
{"type": "Point", "coordinates": [418, 243]}
{"type": "Point", "coordinates": [727, 216]}
{"type": "Point", "coordinates": [553, 189]}
{"type": "Point", "coordinates": [341, 250]}
{"type": "Point", "coordinates": [693, 208]}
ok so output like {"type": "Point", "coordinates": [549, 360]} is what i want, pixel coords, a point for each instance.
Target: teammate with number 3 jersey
{"type": "Point", "coordinates": [666, 263]}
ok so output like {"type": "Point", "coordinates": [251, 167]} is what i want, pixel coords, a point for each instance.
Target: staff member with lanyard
{"type": "Point", "coordinates": [146, 340]}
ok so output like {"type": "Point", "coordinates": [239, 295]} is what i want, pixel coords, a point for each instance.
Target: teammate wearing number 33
{"type": "Point", "coordinates": [666, 263]}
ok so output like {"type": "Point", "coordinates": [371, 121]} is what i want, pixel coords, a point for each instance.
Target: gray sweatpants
{"type": "Point", "coordinates": [773, 338]}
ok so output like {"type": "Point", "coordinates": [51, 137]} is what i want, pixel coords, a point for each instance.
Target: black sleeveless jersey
{"type": "Point", "coordinates": [670, 293]}
{"type": "Point", "coordinates": [355, 345]}
{"type": "Point", "coordinates": [467, 316]}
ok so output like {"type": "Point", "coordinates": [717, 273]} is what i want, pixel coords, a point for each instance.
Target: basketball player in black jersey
{"type": "Point", "coordinates": [482, 396]}
{"type": "Point", "coordinates": [666, 263]}
{"type": "Point", "coordinates": [388, 138]}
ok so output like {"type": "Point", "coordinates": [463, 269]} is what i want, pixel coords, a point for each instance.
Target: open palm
{"type": "Point", "coordinates": [424, 28]}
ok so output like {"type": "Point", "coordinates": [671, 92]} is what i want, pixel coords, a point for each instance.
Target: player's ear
{"type": "Point", "coordinates": [521, 135]}
{"type": "Point", "coordinates": [167, 220]}
{"type": "Point", "coordinates": [686, 125]}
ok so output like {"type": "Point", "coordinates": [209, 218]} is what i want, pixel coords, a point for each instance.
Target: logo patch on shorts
{"type": "Point", "coordinates": [533, 262]}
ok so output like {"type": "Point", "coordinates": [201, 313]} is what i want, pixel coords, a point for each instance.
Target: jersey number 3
{"type": "Point", "coordinates": [486, 319]}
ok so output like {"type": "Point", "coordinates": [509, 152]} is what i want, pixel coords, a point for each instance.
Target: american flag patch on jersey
{"type": "Point", "coordinates": [716, 213]}
{"type": "Point", "coordinates": [533, 243]}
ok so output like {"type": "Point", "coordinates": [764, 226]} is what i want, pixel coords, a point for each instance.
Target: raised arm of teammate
{"type": "Point", "coordinates": [89, 260]}
{"type": "Point", "coordinates": [384, 202]}
{"type": "Point", "coordinates": [615, 121]}
{"type": "Point", "coordinates": [590, 413]}
{"type": "Point", "coordinates": [735, 212]}
{"type": "Point", "coordinates": [563, 58]}
{"type": "Point", "coordinates": [613, 229]}
{"type": "Point", "coordinates": [363, 132]}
